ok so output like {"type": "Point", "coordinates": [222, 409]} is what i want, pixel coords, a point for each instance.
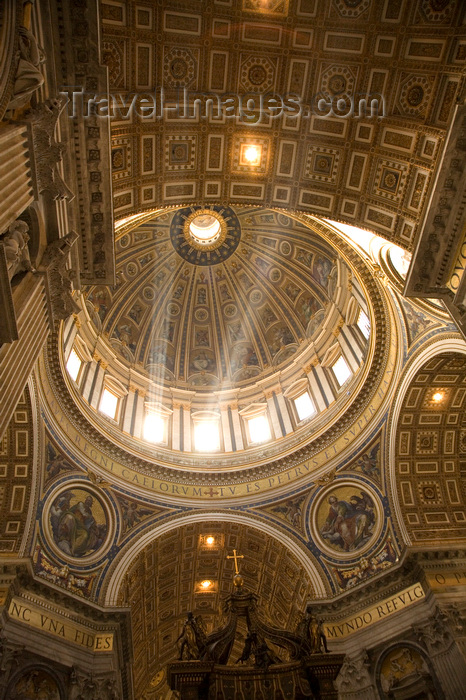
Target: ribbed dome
{"type": "Point", "coordinates": [216, 316]}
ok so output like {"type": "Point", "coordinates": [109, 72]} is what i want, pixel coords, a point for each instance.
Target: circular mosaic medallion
{"type": "Point", "coordinates": [173, 309]}
{"type": "Point", "coordinates": [201, 314]}
{"type": "Point", "coordinates": [178, 68]}
{"type": "Point", "coordinates": [415, 95]}
{"type": "Point", "coordinates": [230, 310]}
{"type": "Point", "coordinates": [257, 75]}
{"type": "Point", "coordinates": [78, 523]}
{"type": "Point", "coordinates": [256, 296]}
{"type": "Point", "coordinates": [337, 84]}
{"type": "Point", "coordinates": [347, 519]}
{"type": "Point", "coordinates": [118, 160]}
{"type": "Point", "coordinates": [285, 248]}
{"type": "Point", "coordinates": [157, 679]}
{"type": "Point", "coordinates": [390, 180]}
{"type": "Point", "coordinates": [283, 220]}
{"type": "Point", "coordinates": [148, 293]}
{"type": "Point", "coordinates": [205, 236]}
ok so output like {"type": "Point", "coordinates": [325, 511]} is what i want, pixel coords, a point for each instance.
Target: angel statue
{"type": "Point", "coordinates": [191, 641]}
{"type": "Point", "coordinates": [28, 76]}
{"type": "Point", "coordinates": [15, 243]}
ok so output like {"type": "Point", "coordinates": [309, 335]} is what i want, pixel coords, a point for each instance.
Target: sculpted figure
{"type": "Point", "coordinates": [263, 654]}
{"type": "Point", "coordinates": [247, 649]}
{"type": "Point", "coordinates": [310, 629]}
{"type": "Point", "coordinates": [28, 76]}
{"type": "Point", "coordinates": [16, 248]}
{"type": "Point", "coordinates": [317, 636]}
{"type": "Point", "coordinates": [190, 641]}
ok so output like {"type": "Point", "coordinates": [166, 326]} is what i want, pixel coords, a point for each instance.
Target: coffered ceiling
{"type": "Point", "coordinates": [430, 452]}
{"type": "Point", "coordinates": [163, 583]}
{"type": "Point", "coordinates": [370, 171]}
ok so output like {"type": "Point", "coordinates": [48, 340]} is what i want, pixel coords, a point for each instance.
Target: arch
{"type": "Point", "coordinates": [20, 462]}
{"type": "Point", "coordinates": [127, 555]}
{"type": "Point", "coordinates": [438, 347]}
{"type": "Point", "coordinates": [412, 668]}
{"type": "Point", "coordinates": [36, 465]}
{"type": "Point", "coordinates": [34, 668]}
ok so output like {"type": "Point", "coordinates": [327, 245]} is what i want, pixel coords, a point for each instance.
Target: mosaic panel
{"type": "Point", "coordinates": [346, 519]}
{"type": "Point", "coordinates": [77, 521]}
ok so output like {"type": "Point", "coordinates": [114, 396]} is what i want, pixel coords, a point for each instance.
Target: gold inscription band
{"type": "Point", "coordinates": [58, 627]}
{"type": "Point", "coordinates": [371, 615]}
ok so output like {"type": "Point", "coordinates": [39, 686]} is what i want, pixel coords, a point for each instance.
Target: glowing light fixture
{"type": "Point", "coordinates": [438, 396]}
{"type": "Point", "coordinates": [210, 540]}
{"type": "Point", "coordinates": [252, 155]}
{"type": "Point", "coordinates": [206, 584]}
{"type": "Point", "coordinates": [74, 364]}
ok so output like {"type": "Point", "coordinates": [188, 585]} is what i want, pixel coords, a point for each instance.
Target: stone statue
{"type": "Point", "coordinates": [191, 641]}
{"type": "Point", "coordinates": [28, 76]}
{"type": "Point", "coordinates": [263, 654]}
{"type": "Point", "coordinates": [317, 636]}
{"type": "Point", "coordinates": [47, 151]}
{"type": "Point", "coordinates": [59, 278]}
{"type": "Point", "coordinates": [83, 685]}
{"type": "Point", "coordinates": [15, 243]}
{"type": "Point", "coordinates": [310, 629]}
{"type": "Point", "coordinates": [354, 675]}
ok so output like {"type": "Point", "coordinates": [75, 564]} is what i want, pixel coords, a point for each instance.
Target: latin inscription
{"type": "Point", "coordinates": [64, 629]}
{"type": "Point", "coordinates": [446, 579]}
{"type": "Point", "coordinates": [377, 612]}
{"type": "Point", "coordinates": [222, 492]}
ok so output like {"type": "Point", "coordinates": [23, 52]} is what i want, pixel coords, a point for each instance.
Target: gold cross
{"type": "Point", "coordinates": [236, 557]}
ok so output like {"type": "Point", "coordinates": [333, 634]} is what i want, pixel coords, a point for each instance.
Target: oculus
{"type": "Point", "coordinates": [205, 230]}
{"type": "Point", "coordinates": [205, 236]}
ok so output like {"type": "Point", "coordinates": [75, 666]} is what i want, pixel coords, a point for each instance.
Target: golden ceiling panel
{"type": "Point", "coordinates": [163, 583]}
{"type": "Point", "coordinates": [16, 476]}
{"type": "Point", "coordinates": [430, 452]}
{"type": "Point", "coordinates": [316, 159]}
